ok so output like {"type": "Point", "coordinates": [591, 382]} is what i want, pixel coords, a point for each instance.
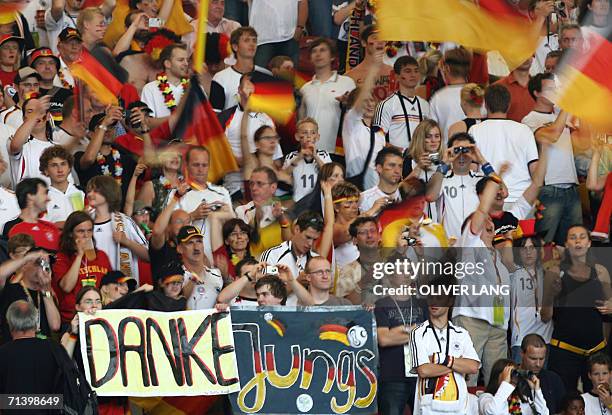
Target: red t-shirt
{"type": "Point", "coordinates": [46, 235]}
{"type": "Point", "coordinates": [89, 270]}
{"type": "Point", "coordinates": [7, 78]}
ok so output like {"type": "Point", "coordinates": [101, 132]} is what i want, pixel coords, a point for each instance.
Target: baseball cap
{"type": "Point", "coordinates": [43, 53]}
{"type": "Point", "coordinates": [9, 37]}
{"type": "Point", "coordinates": [171, 272]}
{"type": "Point", "coordinates": [26, 72]}
{"type": "Point", "coordinates": [69, 33]}
{"type": "Point", "coordinates": [118, 277]}
{"type": "Point", "coordinates": [139, 104]}
{"type": "Point", "coordinates": [188, 232]}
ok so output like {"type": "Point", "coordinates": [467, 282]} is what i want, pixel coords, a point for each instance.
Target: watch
{"type": "Point", "coordinates": [47, 294]}
{"type": "Point", "coordinates": [103, 127]}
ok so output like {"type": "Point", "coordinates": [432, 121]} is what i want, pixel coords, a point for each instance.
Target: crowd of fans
{"type": "Point", "coordinates": [101, 206]}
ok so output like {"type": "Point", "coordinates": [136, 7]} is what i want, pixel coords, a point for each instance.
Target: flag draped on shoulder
{"type": "Point", "coordinates": [105, 83]}
{"type": "Point", "coordinates": [490, 25]}
{"type": "Point", "coordinates": [586, 84]}
{"type": "Point", "coordinates": [198, 125]}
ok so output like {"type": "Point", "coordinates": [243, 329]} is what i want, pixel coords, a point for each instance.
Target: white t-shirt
{"type": "Point", "coordinates": [204, 296]}
{"type": "Point", "coordinates": [9, 208]}
{"type": "Point", "coordinates": [319, 102]}
{"type": "Point", "coordinates": [391, 118]}
{"type": "Point", "coordinates": [593, 406]}
{"type": "Point", "coordinates": [103, 234]}
{"type": "Point", "coordinates": [152, 96]}
{"type": "Point", "coordinates": [501, 140]}
{"type": "Point", "coordinates": [305, 174]}
{"type": "Point", "coordinates": [491, 273]}
{"type": "Point", "coordinates": [229, 79]}
{"type": "Point", "coordinates": [192, 200]}
{"type": "Point", "coordinates": [26, 163]}
{"type": "Point", "coordinates": [370, 196]}
{"type": "Point", "coordinates": [12, 117]}
{"type": "Point", "coordinates": [274, 20]}
{"type": "Point", "coordinates": [62, 204]}
{"type": "Point", "coordinates": [233, 181]}
{"type": "Point", "coordinates": [62, 138]}
{"type": "Point", "coordinates": [356, 143]}
{"type": "Point", "coordinates": [54, 28]}
{"type": "Point", "coordinates": [560, 168]}
{"type": "Point", "coordinates": [426, 340]}
{"type": "Point", "coordinates": [525, 317]}
{"type": "Point", "coordinates": [6, 132]}
{"type": "Point", "coordinates": [457, 200]}
{"type": "Point", "coordinates": [446, 108]}
{"type": "Point", "coordinates": [282, 254]}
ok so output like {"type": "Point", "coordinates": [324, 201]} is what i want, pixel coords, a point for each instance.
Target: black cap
{"type": "Point", "coordinates": [141, 105]}
{"type": "Point", "coordinates": [169, 272]}
{"type": "Point", "coordinates": [188, 232]}
{"type": "Point", "coordinates": [69, 33]}
{"type": "Point", "coordinates": [117, 277]}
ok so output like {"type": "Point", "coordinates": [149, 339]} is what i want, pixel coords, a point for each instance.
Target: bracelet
{"type": "Point", "coordinates": [443, 168]}
{"type": "Point", "coordinates": [145, 131]}
{"type": "Point", "coordinates": [487, 169]}
{"type": "Point", "coordinates": [73, 336]}
{"type": "Point", "coordinates": [177, 196]}
{"type": "Point", "coordinates": [103, 127]}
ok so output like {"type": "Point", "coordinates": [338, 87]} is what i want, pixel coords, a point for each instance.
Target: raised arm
{"type": "Point", "coordinates": [551, 133]}
{"type": "Point", "coordinates": [249, 160]}
{"type": "Point", "coordinates": [124, 42]}
{"type": "Point", "coordinates": [327, 236]}
{"type": "Point", "coordinates": [57, 9]}
{"type": "Point", "coordinates": [130, 195]}
{"type": "Point", "coordinates": [38, 109]}
{"type": "Point", "coordinates": [113, 115]}
{"type": "Point", "coordinates": [486, 201]}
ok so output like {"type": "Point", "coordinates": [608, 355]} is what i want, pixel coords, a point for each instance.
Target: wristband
{"type": "Point", "coordinates": [443, 168]}
{"type": "Point", "coordinates": [495, 178]}
{"type": "Point", "coordinates": [487, 169]}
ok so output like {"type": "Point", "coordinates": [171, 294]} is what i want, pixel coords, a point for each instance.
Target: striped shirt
{"type": "Point", "coordinates": [390, 117]}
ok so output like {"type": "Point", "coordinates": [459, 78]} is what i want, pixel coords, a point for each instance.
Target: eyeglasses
{"type": "Point", "coordinates": [321, 272]}
{"type": "Point", "coordinates": [258, 184]}
{"type": "Point", "coordinates": [89, 302]}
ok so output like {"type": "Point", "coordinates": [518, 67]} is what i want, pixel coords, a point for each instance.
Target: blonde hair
{"type": "Point", "coordinates": [428, 63]}
{"type": "Point", "coordinates": [417, 144]}
{"type": "Point", "coordinates": [307, 120]}
{"type": "Point", "coordinates": [473, 95]}
{"type": "Point", "coordinates": [87, 15]}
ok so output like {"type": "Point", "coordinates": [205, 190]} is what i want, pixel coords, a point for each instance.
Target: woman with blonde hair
{"type": "Point", "coordinates": [472, 99]}
{"type": "Point", "coordinates": [92, 25]}
{"type": "Point", "coordinates": [430, 71]}
{"type": "Point", "coordinates": [425, 151]}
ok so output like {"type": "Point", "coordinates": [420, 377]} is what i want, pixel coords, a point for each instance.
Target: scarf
{"type": "Point", "coordinates": [124, 255]}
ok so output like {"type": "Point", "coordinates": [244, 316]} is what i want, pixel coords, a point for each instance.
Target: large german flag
{"type": "Point", "coordinates": [8, 12]}
{"type": "Point", "coordinates": [586, 82]}
{"type": "Point", "coordinates": [103, 82]}
{"type": "Point", "coordinates": [490, 25]}
{"type": "Point", "coordinates": [198, 125]}
{"type": "Point", "coordinates": [275, 99]}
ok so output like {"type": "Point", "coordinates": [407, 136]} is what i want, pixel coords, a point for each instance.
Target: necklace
{"type": "Point", "coordinates": [166, 89]}
{"type": "Point", "coordinates": [117, 166]}
{"type": "Point", "coordinates": [402, 314]}
{"type": "Point", "coordinates": [35, 304]}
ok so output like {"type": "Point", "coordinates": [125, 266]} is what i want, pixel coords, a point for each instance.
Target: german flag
{"type": "Point", "coordinates": [586, 84]}
{"type": "Point", "coordinates": [277, 326]}
{"type": "Point", "coordinates": [490, 25]}
{"type": "Point", "coordinates": [8, 12]}
{"type": "Point", "coordinates": [198, 125]}
{"type": "Point", "coordinates": [275, 99]}
{"type": "Point", "coordinates": [334, 332]}
{"type": "Point", "coordinates": [103, 83]}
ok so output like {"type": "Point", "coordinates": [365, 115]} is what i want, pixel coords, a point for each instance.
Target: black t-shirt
{"type": "Point", "coordinates": [126, 160]}
{"type": "Point", "coordinates": [28, 366]}
{"type": "Point", "coordinates": [14, 292]}
{"type": "Point", "coordinates": [413, 311]}
{"type": "Point", "coordinates": [553, 390]}
{"type": "Point", "coordinates": [162, 256]}
{"type": "Point", "coordinates": [8, 226]}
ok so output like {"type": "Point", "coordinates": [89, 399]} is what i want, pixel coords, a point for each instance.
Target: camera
{"type": "Point", "coordinates": [127, 114]}
{"type": "Point", "coordinates": [435, 158]}
{"type": "Point", "coordinates": [155, 22]}
{"type": "Point", "coordinates": [411, 241]}
{"type": "Point", "coordinates": [460, 150]}
{"type": "Point", "coordinates": [560, 8]}
{"type": "Point", "coordinates": [271, 270]}
{"type": "Point", "coordinates": [44, 264]}
{"type": "Point", "coordinates": [522, 373]}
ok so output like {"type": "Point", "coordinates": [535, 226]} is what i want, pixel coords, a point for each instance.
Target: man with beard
{"type": "Point", "coordinates": [175, 63]}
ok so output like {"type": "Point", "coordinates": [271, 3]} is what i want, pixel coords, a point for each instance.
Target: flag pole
{"type": "Point", "coordinates": [198, 55]}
